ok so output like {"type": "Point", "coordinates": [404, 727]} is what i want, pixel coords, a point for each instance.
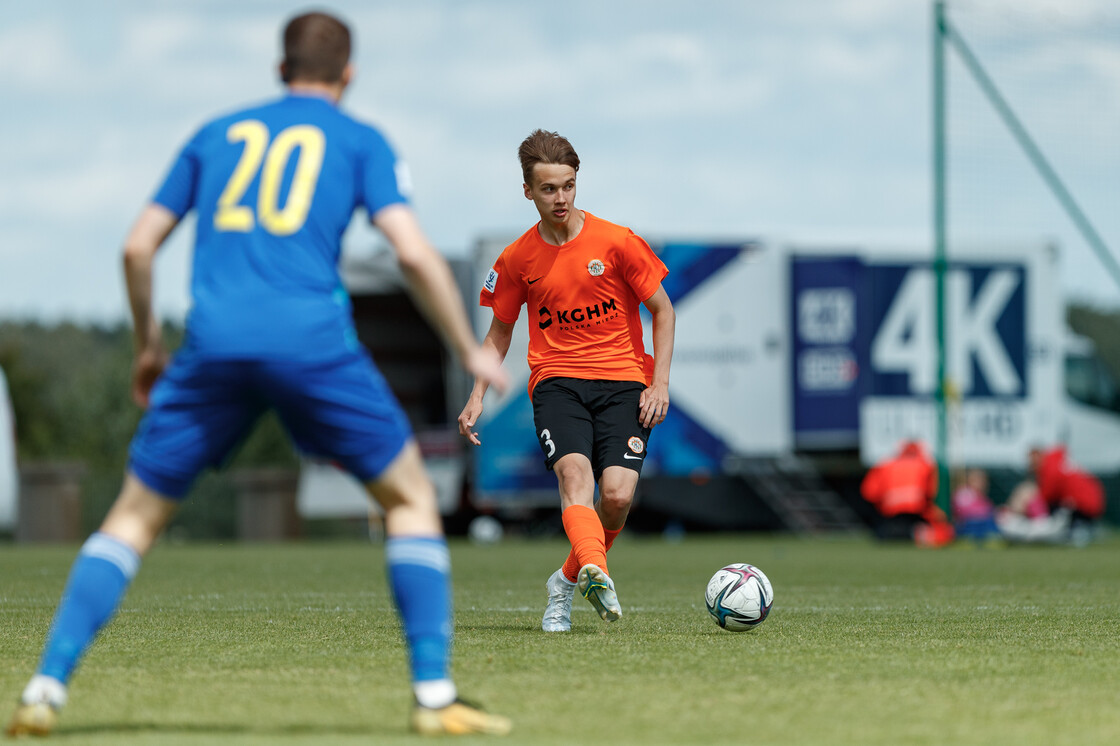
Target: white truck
{"type": "Point", "coordinates": [786, 355]}
{"type": "Point", "coordinates": [785, 349]}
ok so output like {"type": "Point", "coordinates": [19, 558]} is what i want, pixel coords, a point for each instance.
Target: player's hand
{"type": "Point", "coordinates": [486, 365]}
{"type": "Point", "coordinates": [653, 405]}
{"type": "Point", "coordinates": [146, 368]}
{"type": "Point", "coordinates": [468, 417]}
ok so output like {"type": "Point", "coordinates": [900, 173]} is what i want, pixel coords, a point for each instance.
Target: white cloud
{"type": "Point", "coordinates": [724, 118]}
{"type": "Point", "coordinates": [93, 187]}
{"type": "Point", "coordinates": [844, 61]}
{"type": "Point", "coordinates": [154, 38]}
{"type": "Point", "coordinates": [37, 57]}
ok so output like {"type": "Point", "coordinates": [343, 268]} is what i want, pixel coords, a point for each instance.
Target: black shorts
{"type": "Point", "coordinates": [596, 418]}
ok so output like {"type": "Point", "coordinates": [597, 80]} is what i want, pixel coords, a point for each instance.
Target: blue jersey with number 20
{"type": "Point", "coordinates": [274, 188]}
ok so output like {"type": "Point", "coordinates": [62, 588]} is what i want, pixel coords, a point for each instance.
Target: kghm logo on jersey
{"type": "Point", "coordinates": [579, 318]}
{"type": "Point", "coordinates": [635, 444]}
{"type": "Point", "coordinates": [595, 268]}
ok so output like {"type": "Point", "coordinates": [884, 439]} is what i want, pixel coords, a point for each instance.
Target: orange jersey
{"type": "Point", "coordinates": [584, 300]}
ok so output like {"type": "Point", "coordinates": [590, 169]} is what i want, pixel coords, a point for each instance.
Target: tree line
{"type": "Point", "coordinates": [69, 387]}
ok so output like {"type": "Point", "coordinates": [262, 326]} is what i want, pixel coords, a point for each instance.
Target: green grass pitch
{"type": "Point", "coordinates": [867, 644]}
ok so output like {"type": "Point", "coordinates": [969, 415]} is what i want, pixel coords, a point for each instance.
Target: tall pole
{"type": "Point", "coordinates": [1033, 152]}
{"type": "Point", "coordinates": [939, 248]}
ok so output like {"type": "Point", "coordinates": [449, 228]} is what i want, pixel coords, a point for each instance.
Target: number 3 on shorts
{"type": "Point", "coordinates": [546, 439]}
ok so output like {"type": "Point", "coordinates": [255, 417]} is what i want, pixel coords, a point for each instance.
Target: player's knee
{"type": "Point", "coordinates": [138, 516]}
{"type": "Point", "coordinates": [615, 499]}
{"type": "Point", "coordinates": [404, 483]}
{"type": "Point", "coordinates": [418, 492]}
{"type": "Point", "coordinates": [574, 475]}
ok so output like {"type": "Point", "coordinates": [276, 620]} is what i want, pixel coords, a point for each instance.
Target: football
{"type": "Point", "coordinates": [739, 597]}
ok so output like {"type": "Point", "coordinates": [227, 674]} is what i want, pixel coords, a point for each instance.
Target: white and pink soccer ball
{"type": "Point", "coordinates": [739, 597]}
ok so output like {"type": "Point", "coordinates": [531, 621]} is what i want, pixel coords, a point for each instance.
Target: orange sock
{"type": "Point", "coordinates": [572, 565]}
{"type": "Point", "coordinates": [609, 537]}
{"type": "Point", "coordinates": [585, 531]}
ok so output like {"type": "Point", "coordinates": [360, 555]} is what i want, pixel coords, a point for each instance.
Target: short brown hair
{"type": "Point", "coordinates": [316, 48]}
{"type": "Point", "coordinates": [545, 147]}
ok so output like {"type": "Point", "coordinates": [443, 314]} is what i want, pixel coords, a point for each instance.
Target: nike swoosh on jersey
{"type": "Point", "coordinates": [627, 455]}
{"type": "Point", "coordinates": [532, 281]}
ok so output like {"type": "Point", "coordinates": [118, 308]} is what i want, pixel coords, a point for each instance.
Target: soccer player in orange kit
{"type": "Point", "coordinates": [596, 392]}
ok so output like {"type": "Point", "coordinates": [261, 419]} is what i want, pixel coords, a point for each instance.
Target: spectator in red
{"type": "Point", "coordinates": [903, 489]}
{"type": "Point", "coordinates": [1066, 487]}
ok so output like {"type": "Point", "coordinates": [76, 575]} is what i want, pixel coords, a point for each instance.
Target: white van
{"type": "Point", "coordinates": [9, 477]}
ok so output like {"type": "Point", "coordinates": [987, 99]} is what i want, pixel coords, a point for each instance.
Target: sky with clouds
{"type": "Point", "coordinates": [806, 120]}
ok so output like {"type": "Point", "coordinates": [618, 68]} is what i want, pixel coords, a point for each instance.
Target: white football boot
{"type": "Point", "coordinates": [458, 719]}
{"type": "Point", "coordinates": [558, 613]}
{"type": "Point", "coordinates": [598, 588]}
{"type": "Point", "coordinates": [37, 712]}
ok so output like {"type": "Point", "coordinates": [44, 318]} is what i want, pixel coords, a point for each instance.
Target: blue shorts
{"type": "Point", "coordinates": [202, 408]}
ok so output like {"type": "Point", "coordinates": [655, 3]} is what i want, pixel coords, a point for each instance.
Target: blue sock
{"type": "Point", "coordinates": [420, 576]}
{"type": "Point", "coordinates": [98, 579]}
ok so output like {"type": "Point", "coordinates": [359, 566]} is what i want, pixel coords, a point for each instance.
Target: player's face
{"type": "Point", "coordinates": [553, 191]}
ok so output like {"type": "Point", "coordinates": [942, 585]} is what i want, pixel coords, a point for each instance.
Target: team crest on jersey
{"type": "Point", "coordinates": [595, 268]}
{"type": "Point", "coordinates": [636, 445]}
{"type": "Point", "coordinates": [491, 281]}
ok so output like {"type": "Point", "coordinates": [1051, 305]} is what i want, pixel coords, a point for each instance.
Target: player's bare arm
{"type": "Point", "coordinates": [148, 233]}
{"type": "Point", "coordinates": [434, 290]}
{"type": "Point", "coordinates": [654, 402]}
{"type": "Point", "coordinates": [497, 340]}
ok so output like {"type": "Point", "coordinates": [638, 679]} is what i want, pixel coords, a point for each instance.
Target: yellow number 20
{"type": "Point", "coordinates": [279, 220]}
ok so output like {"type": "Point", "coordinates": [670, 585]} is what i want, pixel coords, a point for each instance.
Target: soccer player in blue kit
{"type": "Point", "coordinates": [274, 187]}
